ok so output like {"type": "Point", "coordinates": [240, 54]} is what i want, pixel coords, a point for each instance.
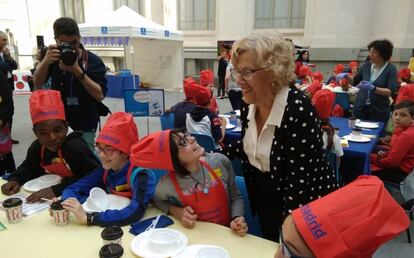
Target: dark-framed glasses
{"type": "Point", "coordinates": [244, 74]}
{"type": "Point", "coordinates": [108, 151]}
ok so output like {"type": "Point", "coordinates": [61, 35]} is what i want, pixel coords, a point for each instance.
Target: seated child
{"type": "Point", "coordinates": [7, 164]}
{"type": "Point", "coordinates": [202, 120]}
{"type": "Point", "coordinates": [344, 85]}
{"type": "Point", "coordinates": [339, 68]}
{"type": "Point", "coordinates": [353, 67]}
{"type": "Point", "coordinates": [352, 222]}
{"type": "Point", "coordinates": [304, 78]}
{"type": "Point", "coordinates": [117, 176]}
{"type": "Point", "coordinates": [181, 109]}
{"type": "Point", "coordinates": [323, 102]}
{"type": "Point", "coordinates": [53, 151]}
{"type": "Point", "coordinates": [396, 163]}
{"type": "Point", "coordinates": [198, 186]}
{"type": "Point", "coordinates": [207, 80]}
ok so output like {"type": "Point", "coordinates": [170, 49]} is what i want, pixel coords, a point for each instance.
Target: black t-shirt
{"type": "Point", "coordinates": [75, 152]}
{"type": "Point", "coordinates": [180, 111]}
{"type": "Point", "coordinates": [83, 115]}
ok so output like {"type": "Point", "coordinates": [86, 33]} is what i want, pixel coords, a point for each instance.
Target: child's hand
{"type": "Point", "coordinates": [239, 225]}
{"type": "Point", "coordinates": [10, 188]}
{"type": "Point", "coordinates": [76, 208]}
{"type": "Point", "coordinates": [185, 215]}
{"type": "Point", "coordinates": [381, 154]}
{"type": "Point", "coordinates": [46, 193]}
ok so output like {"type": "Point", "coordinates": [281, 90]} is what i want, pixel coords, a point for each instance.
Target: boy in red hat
{"type": "Point", "coordinates": [198, 186]}
{"type": "Point", "coordinates": [397, 162]}
{"type": "Point", "coordinates": [117, 176]}
{"type": "Point", "coordinates": [53, 151]}
{"type": "Point", "coordinates": [304, 77]}
{"type": "Point", "coordinates": [202, 120]}
{"type": "Point", "coordinates": [353, 67]}
{"type": "Point", "coordinates": [207, 80]}
{"type": "Point", "coordinates": [181, 109]}
{"type": "Point", "coordinates": [352, 222]}
{"type": "Point", "coordinates": [339, 68]}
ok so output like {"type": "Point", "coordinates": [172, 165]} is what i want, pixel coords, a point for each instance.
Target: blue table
{"type": "Point", "coordinates": [356, 159]}
{"type": "Point", "coordinates": [117, 84]}
{"type": "Point", "coordinates": [231, 136]}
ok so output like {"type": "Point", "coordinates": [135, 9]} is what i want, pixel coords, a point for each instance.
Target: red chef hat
{"type": "Point", "coordinates": [314, 87]}
{"type": "Point", "coordinates": [404, 73]}
{"type": "Point", "coordinates": [353, 64]}
{"type": "Point", "coordinates": [45, 105]}
{"type": "Point", "coordinates": [119, 131]}
{"type": "Point", "coordinates": [153, 151]}
{"type": "Point", "coordinates": [351, 222]}
{"type": "Point", "coordinates": [188, 92]}
{"type": "Point", "coordinates": [323, 101]}
{"type": "Point", "coordinates": [318, 76]}
{"type": "Point", "coordinates": [339, 68]}
{"type": "Point", "coordinates": [406, 92]}
{"type": "Point", "coordinates": [304, 70]}
{"type": "Point", "coordinates": [202, 95]}
{"type": "Point", "coordinates": [206, 77]}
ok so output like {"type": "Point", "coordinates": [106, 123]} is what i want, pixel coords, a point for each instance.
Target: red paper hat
{"type": "Point", "coordinates": [351, 222]}
{"type": "Point", "coordinates": [201, 94]}
{"type": "Point", "coordinates": [314, 87]}
{"type": "Point", "coordinates": [119, 131]}
{"type": "Point", "coordinates": [318, 76]}
{"type": "Point", "coordinates": [323, 101]}
{"type": "Point", "coordinates": [339, 68]}
{"type": "Point", "coordinates": [404, 73]}
{"type": "Point", "coordinates": [46, 105]}
{"type": "Point", "coordinates": [406, 92]}
{"type": "Point", "coordinates": [304, 70]}
{"type": "Point", "coordinates": [153, 151]}
{"type": "Point", "coordinates": [353, 64]}
{"type": "Point", "coordinates": [206, 77]}
{"type": "Point", "coordinates": [189, 94]}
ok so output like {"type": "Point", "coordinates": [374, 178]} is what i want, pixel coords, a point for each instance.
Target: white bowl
{"type": "Point", "coordinates": [98, 198]}
{"type": "Point", "coordinates": [212, 252]}
{"type": "Point", "coordinates": [48, 180]}
{"type": "Point", "coordinates": [163, 240]}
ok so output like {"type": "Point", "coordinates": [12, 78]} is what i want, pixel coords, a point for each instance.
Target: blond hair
{"type": "Point", "coordinates": [272, 52]}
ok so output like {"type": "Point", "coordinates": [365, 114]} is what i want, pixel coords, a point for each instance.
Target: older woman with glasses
{"type": "Point", "coordinates": [281, 150]}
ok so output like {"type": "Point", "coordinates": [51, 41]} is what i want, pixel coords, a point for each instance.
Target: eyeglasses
{"type": "Point", "coordinates": [285, 249]}
{"type": "Point", "coordinates": [244, 74]}
{"type": "Point", "coordinates": [108, 151]}
{"type": "Point", "coordinates": [183, 140]}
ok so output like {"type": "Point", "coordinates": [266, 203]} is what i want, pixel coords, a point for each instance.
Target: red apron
{"type": "Point", "coordinates": [61, 169]}
{"type": "Point", "coordinates": [210, 207]}
{"type": "Point", "coordinates": [128, 193]}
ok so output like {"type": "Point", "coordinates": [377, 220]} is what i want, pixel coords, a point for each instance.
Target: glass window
{"type": "Point", "coordinates": [280, 14]}
{"type": "Point", "coordinates": [136, 5]}
{"type": "Point", "coordinates": [196, 14]}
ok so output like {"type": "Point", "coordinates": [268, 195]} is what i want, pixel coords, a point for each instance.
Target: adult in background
{"type": "Point", "coordinates": [233, 89]}
{"type": "Point", "coordinates": [303, 59]}
{"type": "Point", "coordinates": [7, 65]}
{"type": "Point", "coordinates": [78, 74]}
{"type": "Point", "coordinates": [222, 66]}
{"type": "Point", "coordinates": [281, 148]}
{"type": "Point", "coordinates": [377, 80]}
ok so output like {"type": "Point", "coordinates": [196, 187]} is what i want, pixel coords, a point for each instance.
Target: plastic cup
{"type": "Point", "coordinates": [13, 208]}
{"type": "Point", "coordinates": [112, 235]}
{"type": "Point", "coordinates": [356, 133]}
{"type": "Point", "coordinates": [351, 122]}
{"type": "Point", "coordinates": [111, 251]}
{"type": "Point", "coordinates": [211, 252]}
{"type": "Point", "coordinates": [164, 241]}
{"type": "Point", "coordinates": [233, 118]}
{"type": "Point", "coordinates": [98, 198]}
{"type": "Point", "coordinates": [336, 130]}
{"type": "Point", "coordinates": [60, 215]}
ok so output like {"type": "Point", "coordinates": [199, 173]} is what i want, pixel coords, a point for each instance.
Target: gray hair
{"type": "Point", "coordinates": [272, 52]}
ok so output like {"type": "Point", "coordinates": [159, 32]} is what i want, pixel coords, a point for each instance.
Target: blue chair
{"type": "Point", "coordinates": [252, 221]}
{"type": "Point", "coordinates": [333, 164]}
{"type": "Point", "coordinates": [167, 121]}
{"type": "Point", "coordinates": [205, 141]}
{"type": "Point", "coordinates": [237, 167]}
{"type": "Point", "coordinates": [342, 99]}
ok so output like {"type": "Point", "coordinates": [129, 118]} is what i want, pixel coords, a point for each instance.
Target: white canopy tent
{"type": "Point", "coordinates": [151, 50]}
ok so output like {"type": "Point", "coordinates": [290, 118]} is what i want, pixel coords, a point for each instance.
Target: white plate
{"type": "Point", "coordinates": [361, 139]}
{"type": "Point", "coordinates": [116, 202]}
{"type": "Point", "coordinates": [191, 251]}
{"type": "Point", "coordinates": [230, 126]}
{"type": "Point", "coordinates": [36, 184]}
{"type": "Point", "coordinates": [140, 245]}
{"type": "Point", "coordinates": [368, 125]}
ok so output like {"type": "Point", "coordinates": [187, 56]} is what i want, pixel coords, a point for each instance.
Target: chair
{"type": "Point", "coordinates": [333, 164]}
{"type": "Point", "coordinates": [205, 141]}
{"type": "Point", "coordinates": [237, 167]}
{"type": "Point", "coordinates": [167, 121]}
{"type": "Point", "coordinates": [403, 193]}
{"type": "Point", "coordinates": [252, 221]}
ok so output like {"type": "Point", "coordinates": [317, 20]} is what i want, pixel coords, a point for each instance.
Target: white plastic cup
{"type": "Point", "coordinates": [164, 241]}
{"type": "Point", "coordinates": [351, 122]}
{"type": "Point", "coordinates": [13, 208]}
{"type": "Point", "coordinates": [211, 252]}
{"type": "Point", "coordinates": [98, 198]}
{"type": "Point", "coordinates": [356, 133]}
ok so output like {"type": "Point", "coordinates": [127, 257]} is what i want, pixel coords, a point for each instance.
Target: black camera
{"type": "Point", "coordinates": [68, 54]}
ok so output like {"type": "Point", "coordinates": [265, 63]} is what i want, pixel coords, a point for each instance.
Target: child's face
{"type": "Point", "coordinates": [111, 158]}
{"type": "Point", "coordinates": [210, 86]}
{"type": "Point", "coordinates": [51, 133]}
{"type": "Point", "coordinates": [402, 118]}
{"type": "Point", "coordinates": [188, 148]}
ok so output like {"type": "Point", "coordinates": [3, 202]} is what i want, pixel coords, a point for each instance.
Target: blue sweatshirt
{"type": "Point", "coordinates": [143, 184]}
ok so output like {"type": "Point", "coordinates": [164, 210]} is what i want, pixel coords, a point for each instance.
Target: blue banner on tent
{"type": "Point", "coordinates": [104, 30]}
{"type": "Point", "coordinates": [143, 31]}
{"type": "Point", "coordinates": [144, 102]}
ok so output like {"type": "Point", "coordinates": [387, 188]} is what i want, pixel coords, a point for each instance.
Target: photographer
{"type": "Point", "coordinates": [78, 74]}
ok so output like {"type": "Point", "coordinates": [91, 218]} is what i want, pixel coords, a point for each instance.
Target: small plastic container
{"type": "Point", "coordinates": [356, 133]}
{"type": "Point", "coordinates": [60, 215]}
{"type": "Point", "coordinates": [111, 251]}
{"type": "Point", "coordinates": [163, 240]}
{"type": "Point", "coordinates": [336, 131]}
{"type": "Point", "coordinates": [112, 235]}
{"type": "Point", "coordinates": [13, 208]}
{"type": "Point", "coordinates": [351, 122]}
{"type": "Point", "coordinates": [233, 118]}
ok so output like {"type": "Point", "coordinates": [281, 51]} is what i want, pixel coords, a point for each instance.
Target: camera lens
{"type": "Point", "coordinates": [67, 54]}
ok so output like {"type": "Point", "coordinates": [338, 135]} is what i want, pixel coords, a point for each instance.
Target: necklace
{"type": "Point", "coordinates": [205, 188]}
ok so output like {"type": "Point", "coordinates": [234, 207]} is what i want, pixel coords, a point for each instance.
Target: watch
{"type": "Point", "coordinates": [81, 76]}
{"type": "Point", "coordinates": [89, 218]}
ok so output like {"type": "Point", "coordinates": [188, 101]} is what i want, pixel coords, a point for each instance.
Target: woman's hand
{"type": "Point", "coordinates": [185, 215]}
{"type": "Point", "coordinates": [239, 225]}
{"type": "Point", "coordinates": [74, 206]}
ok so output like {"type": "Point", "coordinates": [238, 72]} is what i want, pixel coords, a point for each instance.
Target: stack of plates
{"type": "Point", "coordinates": [42, 182]}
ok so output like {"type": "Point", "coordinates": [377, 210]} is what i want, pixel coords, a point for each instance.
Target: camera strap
{"type": "Point", "coordinates": [84, 66]}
